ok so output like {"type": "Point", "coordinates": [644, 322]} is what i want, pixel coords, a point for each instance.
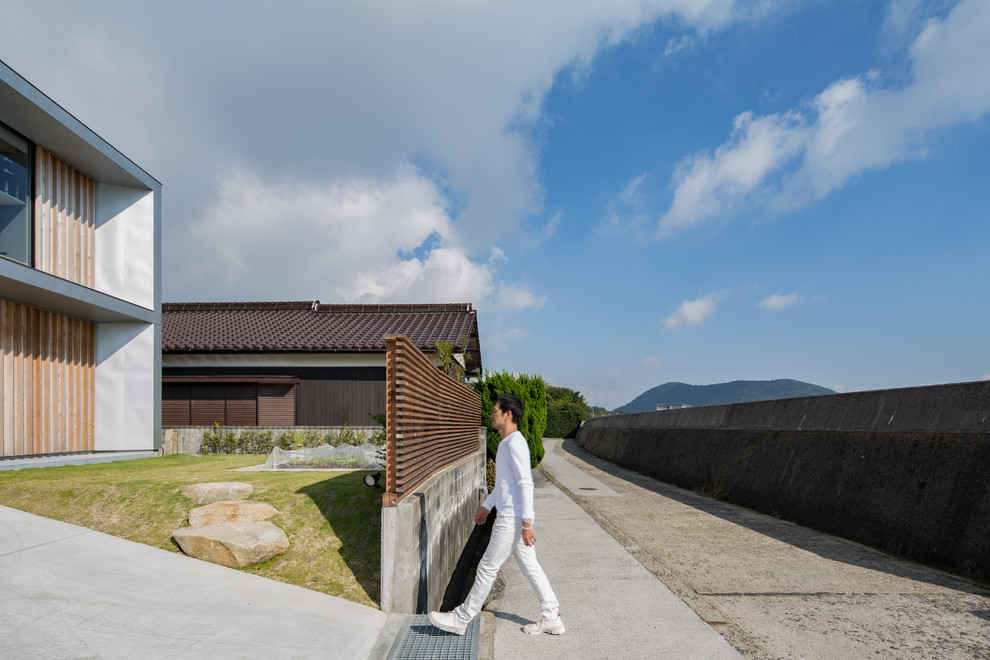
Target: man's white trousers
{"type": "Point", "coordinates": [506, 539]}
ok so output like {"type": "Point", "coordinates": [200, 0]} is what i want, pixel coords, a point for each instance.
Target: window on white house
{"type": "Point", "coordinates": [15, 197]}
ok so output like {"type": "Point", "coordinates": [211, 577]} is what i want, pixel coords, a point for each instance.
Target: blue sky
{"type": "Point", "coordinates": [629, 192]}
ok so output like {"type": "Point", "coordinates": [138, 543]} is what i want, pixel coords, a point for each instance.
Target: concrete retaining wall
{"type": "Point", "coordinates": [423, 536]}
{"type": "Point", "coordinates": [902, 470]}
{"type": "Point", "coordinates": [187, 439]}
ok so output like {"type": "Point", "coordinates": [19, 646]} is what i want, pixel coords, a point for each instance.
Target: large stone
{"type": "Point", "coordinates": [218, 491]}
{"type": "Point", "coordinates": [235, 544]}
{"type": "Point", "coordinates": [235, 511]}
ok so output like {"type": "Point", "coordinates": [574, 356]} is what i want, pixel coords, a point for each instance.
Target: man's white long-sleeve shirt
{"type": "Point", "coordinates": [513, 493]}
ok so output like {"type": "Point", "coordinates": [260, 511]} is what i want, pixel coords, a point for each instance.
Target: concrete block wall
{"type": "Point", "coordinates": [424, 534]}
{"type": "Point", "coordinates": [902, 470]}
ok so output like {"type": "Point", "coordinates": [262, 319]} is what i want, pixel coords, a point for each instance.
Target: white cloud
{"type": "Point", "coordinates": [359, 240]}
{"type": "Point", "coordinates": [503, 337]}
{"type": "Point", "coordinates": [309, 97]}
{"type": "Point", "coordinates": [515, 297]}
{"type": "Point", "coordinates": [626, 209]}
{"type": "Point", "coordinates": [780, 301]}
{"type": "Point", "coordinates": [783, 161]}
{"type": "Point", "coordinates": [839, 388]}
{"type": "Point", "coordinates": [692, 312]}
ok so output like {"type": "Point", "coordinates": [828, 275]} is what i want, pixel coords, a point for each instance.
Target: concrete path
{"type": "Point", "coordinates": [771, 588]}
{"type": "Point", "coordinates": [70, 592]}
{"type": "Point", "coordinates": [612, 606]}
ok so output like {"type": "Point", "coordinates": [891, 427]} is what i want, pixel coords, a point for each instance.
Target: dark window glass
{"type": "Point", "coordinates": [15, 197]}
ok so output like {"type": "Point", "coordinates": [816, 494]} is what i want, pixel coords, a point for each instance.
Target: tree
{"type": "Point", "coordinates": [566, 409]}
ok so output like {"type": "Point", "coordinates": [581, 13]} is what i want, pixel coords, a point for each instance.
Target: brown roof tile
{"type": "Point", "coordinates": [311, 326]}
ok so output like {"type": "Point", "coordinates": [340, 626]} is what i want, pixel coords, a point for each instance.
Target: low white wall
{"type": "Point", "coordinates": [424, 535]}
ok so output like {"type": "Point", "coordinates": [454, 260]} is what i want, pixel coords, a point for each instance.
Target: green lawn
{"type": "Point", "coordinates": [332, 519]}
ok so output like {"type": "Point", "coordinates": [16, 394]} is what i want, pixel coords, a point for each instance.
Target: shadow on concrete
{"type": "Point", "coordinates": [515, 618]}
{"type": "Point", "coordinates": [823, 544]}
{"type": "Point", "coordinates": [354, 512]}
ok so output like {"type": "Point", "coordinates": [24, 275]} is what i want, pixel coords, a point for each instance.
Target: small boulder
{"type": "Point", "coordinates": [236, 511]}
{"type": "Point", "coordinates": [235, 544]}
{"type": "Point", "coordinates": [218, 491]}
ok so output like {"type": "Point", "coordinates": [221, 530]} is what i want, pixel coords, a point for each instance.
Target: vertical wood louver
{"type": "Point", "coordinates": [64, 220]}
{"type": "Point", "coordinates": [47, 374]}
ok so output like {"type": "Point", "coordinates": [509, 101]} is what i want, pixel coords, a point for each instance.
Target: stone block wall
{"type": "Point", "coordinates": [902, 470]}
{"type": "Point", "coordinates": [424, 534]}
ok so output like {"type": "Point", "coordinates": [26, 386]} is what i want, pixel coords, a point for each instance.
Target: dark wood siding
{"type": "Point", "coordinates": [242, 405]}
{"type": "Point", "coordinates": [175, 405]}
{"type": "Point", "coordinates": [277, 405]}
{"type": "Point", "coordinates": [207, 405]}
{"type": "Point", "coordinates": [325, 396]}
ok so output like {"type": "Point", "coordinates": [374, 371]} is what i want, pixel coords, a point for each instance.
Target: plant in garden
{"type": "Point", "coordinates": [448, 360]}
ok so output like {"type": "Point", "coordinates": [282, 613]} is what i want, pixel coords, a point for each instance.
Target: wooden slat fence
{"type": "Point", "coordinates": [64, 220]}
{"type": "Point", "coordinates": [47, 375]}
{"type": "Point", "coordinates": [431, 420]}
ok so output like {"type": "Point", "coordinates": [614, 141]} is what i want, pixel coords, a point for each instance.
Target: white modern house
{"type": "Point", "coordinates": [80, 288]}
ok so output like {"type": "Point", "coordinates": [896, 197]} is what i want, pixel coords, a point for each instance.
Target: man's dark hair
{"type": "Point", "coordinates": [511, 404]}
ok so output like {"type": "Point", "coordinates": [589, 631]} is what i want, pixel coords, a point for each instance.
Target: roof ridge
{"type": "Point", "coordinates": [234, 306]}
{"type": "Point", "coordinates": [316, 306]}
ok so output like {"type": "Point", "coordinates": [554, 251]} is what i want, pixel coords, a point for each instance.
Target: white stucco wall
{"type": "Point", "coordinates": [126, 382]}
{"type": "Point", "coordinates": [125, 243]}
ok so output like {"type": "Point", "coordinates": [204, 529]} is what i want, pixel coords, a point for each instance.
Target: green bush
{"type": "Point", "coordinates": [220, 440]}
{"type": "Point", "coordinates": [564, 419]}
{"type": "Point", "coordinates": [255, 442]}
{"type": "Point", "coordinates": [531, 390]}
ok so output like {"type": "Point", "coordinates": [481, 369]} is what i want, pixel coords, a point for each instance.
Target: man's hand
{"type": "Point", "coordinates": [528, 536]}
{"type": "Point", "coordinates": [481, 516]}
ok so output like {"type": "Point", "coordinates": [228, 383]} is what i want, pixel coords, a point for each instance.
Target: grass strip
{"type": "Point", "coordinates": [332, 519]}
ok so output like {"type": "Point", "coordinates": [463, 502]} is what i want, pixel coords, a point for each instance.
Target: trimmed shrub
{"type": "Point", "coordinates": [564, 419]}
{"type": "Point", "coordinates": [531, 390]}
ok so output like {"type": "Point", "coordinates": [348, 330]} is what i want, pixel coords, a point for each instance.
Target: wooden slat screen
{"type": "Point", "coordinates": [207, 405]}
{"type": "Point", "coordinates": [48, 379]}
{"type": "Point", "coordinates": [64, 220]}
{"type": "Point", "coordinates": [175, 405]}
{"type": "Point", "coordinates": [276, 405]}
{"type": "Point", "coordinates": [242, 405]}
{"type": "Point", "coordinates": [431, 420]}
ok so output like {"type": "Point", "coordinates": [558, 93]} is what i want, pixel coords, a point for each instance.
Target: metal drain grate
{"type": "Point", "coordinates": [419, 640]}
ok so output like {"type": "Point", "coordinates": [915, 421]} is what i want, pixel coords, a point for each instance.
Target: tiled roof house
{"type": "Point", "coordinates": [294, 363]}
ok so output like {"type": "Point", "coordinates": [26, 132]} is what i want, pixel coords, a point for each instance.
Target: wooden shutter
{"type": "Point", "coordinates": [242, 405]}
{"type": "Point", "coordinates": [175, 405]}
{"type": "Point", "coordinates": [207, 402]}
{"type": "Point", "coordinates": [276, 405]}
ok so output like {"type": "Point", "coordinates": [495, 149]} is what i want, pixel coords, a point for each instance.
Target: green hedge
{"type": "Point", "coordinates": [224, 441]}
{"type": "Point", "coordinates": [564, 419]}
{"type": "Point", "coordinates": [531, 390]}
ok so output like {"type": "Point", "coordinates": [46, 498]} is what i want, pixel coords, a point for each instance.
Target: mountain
{"type": "Point", "coordinates": [737, 391]}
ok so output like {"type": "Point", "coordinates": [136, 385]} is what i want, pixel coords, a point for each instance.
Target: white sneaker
{"type": "Point", "coordinates": [448, 622]}
{"type": "Point", "coordinates": [551, 627]}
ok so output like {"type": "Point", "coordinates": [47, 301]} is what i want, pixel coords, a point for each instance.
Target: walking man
{"type": "Point", "coordinates": [513, 532]}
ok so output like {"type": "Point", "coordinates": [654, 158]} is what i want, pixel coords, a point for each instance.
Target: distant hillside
{"type": "Point", "coordinates": [737, 391]}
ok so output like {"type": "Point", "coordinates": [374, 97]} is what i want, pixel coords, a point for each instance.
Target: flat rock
{"type": "Point", "coordinates": [235, 544]}
{"type": "Point", "coordinates": [218, 491]}
{"type": "Point", "coordinates": [231, 511]}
